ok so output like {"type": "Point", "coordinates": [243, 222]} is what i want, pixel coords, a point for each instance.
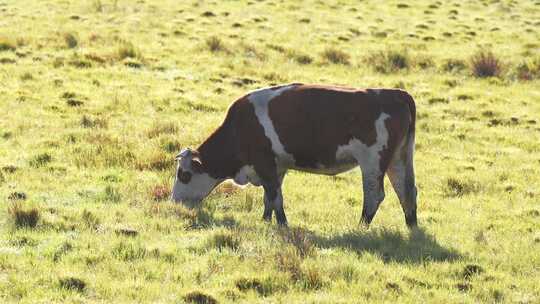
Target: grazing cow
{"type": "Point", "coordinates": [312, 128]}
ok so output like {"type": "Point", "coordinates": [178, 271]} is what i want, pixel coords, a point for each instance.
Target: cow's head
{"type": "Point", "coordinates": [191, 183]}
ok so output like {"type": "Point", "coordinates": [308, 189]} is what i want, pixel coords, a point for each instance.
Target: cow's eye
{"type": "Point", "coordinates": [184, 176]}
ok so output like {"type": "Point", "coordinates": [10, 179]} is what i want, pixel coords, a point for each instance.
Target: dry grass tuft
{"type": "Point", "coordinates": [95, 58]}
{"type": "Point", "coordinates": [300, 240]}
{"type": "Point", "coordinates": [160, 193]}
{"type": "Point", "coordinates": [17, 196]}
{"type": "Point", "coordinates": [88, 122]}
{"type": "Point", "coordinates": [170, 145]}
{"type": "Point", "coordinates": [208, 14]}
{"type": "Point", "coordinates": [71, 283]}
{"type": "Point", "coordinates": [23, 217]}
{"type": "Point", "coordinates": [289, 261]}
{"type": "Point", "coordinates": [486, 64]}
{"type": "Point", "coordinates": [311, 279]}
{"type": "Point", "coordinates": [471, 270]}
{"type": "Point", "coordinates": [264, 287]}
{"type": "Point", "coordinates": [303, 59]}
{"type": "Point", "coordinates": [252, 52]}
{"type": "Point", "coordinates": [7, 44]}
{"type": "Point", "coordinates": [125, 50]}
{"type": "Point", "coordinates": [215, 44]}
{"type": "Point", "coordinates": [458, 188]}
{"type": "Point", "coordinates": [110, 195]}
{"type": "Point", "coordinates": [26, 76]}
{"type": "Point", "coordinates": [71, 40]}
{"type": "Point", "coordinates": [336, 56]}
{"type": "Point", "coordinates": [224, 239]}
{"type": "Point", "coordinates": [162, 128]}
{"type": "Point", "coordinates": [72, 102]}
{"type": "Point", "coordinates": [132, 63]}
{"type": "Point", "coordinates": [453, 65]}
{"type": "Point", "coordinates": [157, 160]}
{"type": "Point", "coordinates": [90, 220]}
{"type": "Point", "coordinates": [40, 160]}
{"type": "Point", "coordinates": [80, 63]}
{"type": "Point", "coordinates": [97, 6]}
{"type": "Point", "coordinates": [390, 61]}
{"type": "Point", "coordinates": [299, 57]}
{"type": "Point", "coordinates": [130, 251]}
{"type": "Point", "coordinates": [528, 70]}
{"type": "Point", "coordinates": [199, 297]}
{"type": "Point", "coordinates": [244, 284]}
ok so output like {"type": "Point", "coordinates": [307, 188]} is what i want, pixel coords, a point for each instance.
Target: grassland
{"type": "Point", "coordinates": [96, 97]}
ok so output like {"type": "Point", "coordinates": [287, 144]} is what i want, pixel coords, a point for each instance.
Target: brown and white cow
{"type": "Point", "coordinates": [312, 128]}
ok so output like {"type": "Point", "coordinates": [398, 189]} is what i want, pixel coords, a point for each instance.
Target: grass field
{"type": "Point", "coordinates": [96, 98]}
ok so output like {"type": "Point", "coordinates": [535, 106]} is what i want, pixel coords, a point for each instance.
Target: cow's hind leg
{"type": "Point", "coordinates": [372, 179]}
{"type": "Point", "coordinates": [401, 175]}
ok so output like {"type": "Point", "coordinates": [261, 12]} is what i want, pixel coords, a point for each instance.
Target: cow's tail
{"type": "Point", "coordinates": [410, 139]}
{"type": "Point", "coordinates": [403, 175]}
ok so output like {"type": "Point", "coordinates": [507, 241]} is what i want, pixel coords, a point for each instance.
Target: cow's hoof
{"type": "Point", "coordinates": [412, 226]}
{"type": "Point", "coordinates": [411, 221]}
{"type": "Point", "coordinates": [365, 221]}
{"type": "Point", "coordinates": [283, 224]}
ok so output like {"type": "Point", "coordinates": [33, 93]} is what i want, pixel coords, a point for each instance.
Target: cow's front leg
{"type": "Point", "coordinates": [268, 208]}
{"type": "Point", "coordinates": [373, 194]}
{"type": "Point", "coordinates": [274, 196]}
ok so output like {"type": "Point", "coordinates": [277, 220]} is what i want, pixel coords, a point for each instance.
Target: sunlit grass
{"type": "Point", "coordinates": [98, 97]}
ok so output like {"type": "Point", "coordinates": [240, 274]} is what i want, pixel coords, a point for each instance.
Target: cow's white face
{"type": "Point", "coordinates": [191, 183]}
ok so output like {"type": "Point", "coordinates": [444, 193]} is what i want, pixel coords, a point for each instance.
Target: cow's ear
{"type": "Point", "coordinates": [196, 165]}
{"type": "Point", "coordinates": [183, 154]}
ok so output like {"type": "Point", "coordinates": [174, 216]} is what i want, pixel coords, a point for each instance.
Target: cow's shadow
{"type": "Point", "coordinates": [416, 246]}
{"type": "Point", "coordinates": [204, 219]}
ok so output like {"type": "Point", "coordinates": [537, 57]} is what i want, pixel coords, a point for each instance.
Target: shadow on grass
{"type": "Point", "coordinates": [392, 246]}
{"type": "Point", "coordinates": [202, 219]}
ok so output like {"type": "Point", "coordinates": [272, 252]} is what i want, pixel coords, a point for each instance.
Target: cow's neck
{"type": "Point", "coordinates": [218, 154]}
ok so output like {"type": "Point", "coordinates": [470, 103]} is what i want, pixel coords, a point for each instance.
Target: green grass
{"type": "Point", "coordinates": [98, 97]}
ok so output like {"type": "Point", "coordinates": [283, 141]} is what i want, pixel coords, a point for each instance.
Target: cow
{"type": "Point", "coordinates": [312, 128]}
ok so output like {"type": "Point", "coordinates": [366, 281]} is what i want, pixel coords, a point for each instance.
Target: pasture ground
{"type": "Point", "coordinates": [96, 97]}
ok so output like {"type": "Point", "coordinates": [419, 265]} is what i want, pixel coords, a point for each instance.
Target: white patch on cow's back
{"type": "Point", "coordinates": [367, 157]}
{"type": "Point", "coordinates": [247, 174]}
{"type": "Point", "coordinates": [260, 100]}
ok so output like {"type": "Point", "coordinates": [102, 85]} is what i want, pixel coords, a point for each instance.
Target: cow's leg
{"type": "Point", "coordinates": [268, 208]}
{"type": "Point", "coordinates": [401, 175]}
{"type": "Point", "coordinates": [373, 185]}
{"type": "Point", "coordinates": [273, 195]}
